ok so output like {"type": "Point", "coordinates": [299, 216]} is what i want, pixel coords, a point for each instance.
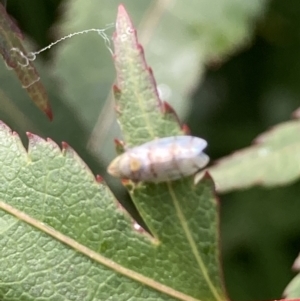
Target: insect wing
{"type": "Point", "coordinates": [161, 160]}
{"type": "Point", "coordinates": [176, 157]}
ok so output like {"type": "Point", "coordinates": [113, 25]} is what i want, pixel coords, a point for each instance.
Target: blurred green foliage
{"type": "Point", "coordinates": [254, 89]}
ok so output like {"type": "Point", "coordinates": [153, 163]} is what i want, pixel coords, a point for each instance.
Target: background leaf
{"type": "Point", "coordinates": [15, 56]}
{"type": "Point", "coordinates": [269, 162]}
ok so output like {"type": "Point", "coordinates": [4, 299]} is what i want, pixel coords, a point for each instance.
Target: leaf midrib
{"type": "Point", "coordinates": [192, 244]}
{"type": "Point", "coordinates": [94, 256]}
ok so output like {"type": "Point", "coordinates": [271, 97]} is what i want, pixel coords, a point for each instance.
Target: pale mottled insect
{"type": "Point", "coordinates": [161, 160]}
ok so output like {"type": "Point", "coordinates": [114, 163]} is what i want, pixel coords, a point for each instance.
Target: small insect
{"type": "Point", "coordinates": [161, 160]}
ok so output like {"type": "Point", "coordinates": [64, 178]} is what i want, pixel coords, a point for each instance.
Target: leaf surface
{"type": "Point", "coordinates": [204, 32]}
{"type": "Point", "coordinates": [17, 58]}
{"type": "Point", "coordinates": [64, 237]}
{"type": "Point", "coordinates": [186, 216]}
{"type": "Point", "coordinates": [56, 189]}
{"type": "Point", "coordinates": [271, 161]}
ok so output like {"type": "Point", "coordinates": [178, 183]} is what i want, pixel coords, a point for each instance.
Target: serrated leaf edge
{"type": "Point", "coordinates": [93, 255]}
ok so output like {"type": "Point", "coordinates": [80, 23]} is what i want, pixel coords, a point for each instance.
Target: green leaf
{"type": "Point", "coordinates": [293, 289]}
{"type": "Point", "coordinates": [82, 75]}
{"type": "Point", "coordinates": [89, 70]}
{"type": "Point", "coordinates": [184, 208]}
{"type": "Point", "coordinates": [271, 161]}
{"type": "Point", "coordinates": [65, 237]}
{"type": "Point", "coordinates": [16, 58]}
{"type": "Point", "coordinates": [204, 32]}
{"type": "Point", "coordinates": [141, 113]}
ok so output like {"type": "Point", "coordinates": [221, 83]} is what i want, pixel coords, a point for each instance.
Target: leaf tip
{"type": "Point", "coordinates": [207, 175]}
{"type": "Point", "coordinates": [99, 179]}
{"type": "Point", "coordinates": [204, 176]}
{"type": "Point", "coordinates": [119, 145]}
{"type": "Point", "coordinates": [186, 130]}
{"type": "Point", "coordinates": [116, 91]}
{"type": "Point", "coordinates": [122, 16]}
{"type": "Point", "coordinates": [48, 112]}
{"type": "Point", "coordinates": [33, 140]}
{"type": "Point", "coordinates": [121, 9]}
{"type": "Point", "coordinates": [125, 30]}
{"type": "Point", "coordinates": [169, 110]}
{"type": "Point", "coordinates": [65, 146]}
{"type": "Point", "coordinates": [30, 136]}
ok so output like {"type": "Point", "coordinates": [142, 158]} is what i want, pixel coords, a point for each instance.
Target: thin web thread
{"type": "Point", "coordinates": [31, 56]}
{"type": "Point", "coordinates": [101, 32]}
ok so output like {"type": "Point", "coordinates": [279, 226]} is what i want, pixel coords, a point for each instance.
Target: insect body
{"type": "Point", "coordinates": [161, 160]}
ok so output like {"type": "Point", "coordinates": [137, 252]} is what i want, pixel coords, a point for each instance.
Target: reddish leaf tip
{"type": "Point", "coordinates": [99, 179]}
{"type": "Point", "coordinates": [34, 139]}
{"type": "Point", "coordinates": [207, 175]}
{"type": "Point", "coordinates": [202, 176]}
{"type": "Point", "coordinates": [117, 92]}
{"type": "Point", "coordinates": [119, 146]}
{"type": "Point", "coordinates": [116, 89]}
{"type": "Point", "coordinates": [49, 113]}
{"type": "Point", "coordinates": [64, 145]}
{"type": "Point", "coordinates": [122, 10]}
{"type": "Point", "coordinates": [30, 135]}
{"type": "Point", "coordinates": [168, 109]}
{"type": "Point", "coordinates": [186, 130]}
{"type": "Point", "coordinates": [123, 24]}
{"type": "Point", "coordinates": [119, 143]}
{"type": "Point", "coordinates": [141, 50]}
{"type": "Point", "coordinates": [123, 15]}
{"type": "Point", "coordinates": [209, 178]}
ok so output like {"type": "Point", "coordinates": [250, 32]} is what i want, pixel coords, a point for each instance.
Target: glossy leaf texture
{"type": "Point", "coordinates": [293, 289]}
{"type": "Point", "coordinates": [182, 216]}
{"type": "Point", "coordinates": [18, 59]}
{"type": "Point", "coordinates": [273, 160]}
